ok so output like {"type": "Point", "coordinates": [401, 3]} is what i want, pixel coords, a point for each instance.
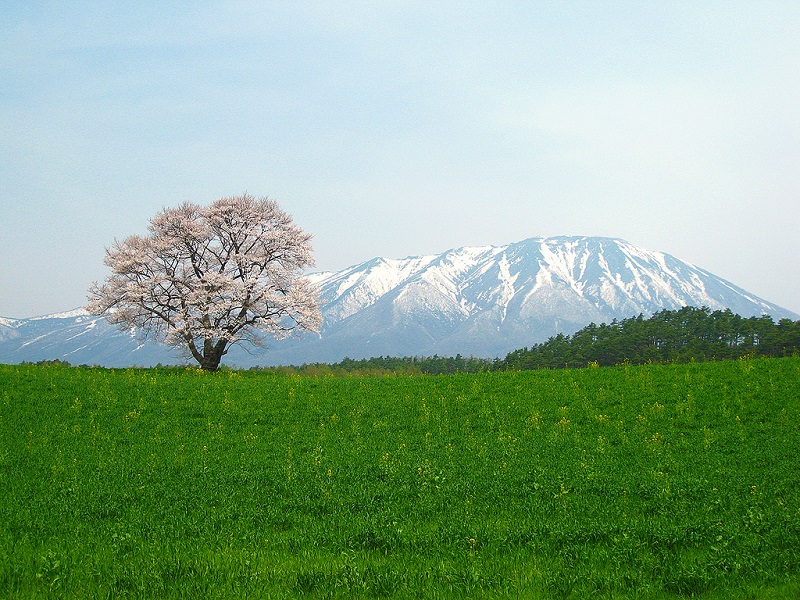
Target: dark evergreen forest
{"type": "Point", "coordinates": [684, 335]}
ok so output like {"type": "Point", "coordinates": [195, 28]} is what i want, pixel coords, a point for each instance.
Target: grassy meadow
{"type": "Point", "coordinates": [658, 481]}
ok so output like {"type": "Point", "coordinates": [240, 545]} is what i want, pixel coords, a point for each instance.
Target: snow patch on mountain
{"type": "Point", "coordinates": [70, 314]}
{"type": "Point", "coordinates": [351, 290]}
{"type": "Point", "coordinates": [8, 328]}
{"type": "Point", "coordinates": [507, 280]}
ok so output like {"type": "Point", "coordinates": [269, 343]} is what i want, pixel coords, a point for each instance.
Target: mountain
{"type": "Point", "coordinates": [473, 301]}
{"type": "Point", "coordinates": [78, 338]}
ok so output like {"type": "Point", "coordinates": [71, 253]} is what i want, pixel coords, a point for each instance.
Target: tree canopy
{"type": "Point", "coordinates": [681, 335]}
{"type": "Point", "coordinates": [204, 278]}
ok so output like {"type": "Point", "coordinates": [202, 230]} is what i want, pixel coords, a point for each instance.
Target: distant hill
{"type": "Point", "coordinates": [474, 301]}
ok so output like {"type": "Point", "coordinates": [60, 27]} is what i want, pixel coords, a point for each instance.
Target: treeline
{"type": "Point", "coordinates": [367, 367]}
{"type": "Point", "coordinates": [684, 335]}
{"type": "Point", "coordinates": [392, 365]}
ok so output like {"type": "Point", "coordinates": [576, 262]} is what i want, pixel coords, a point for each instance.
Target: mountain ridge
{"type": "Point", "coordinates": [475, 300]}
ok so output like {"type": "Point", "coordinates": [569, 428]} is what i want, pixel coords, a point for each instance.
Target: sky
{"type": "Point", "coordinates": [402, 128]}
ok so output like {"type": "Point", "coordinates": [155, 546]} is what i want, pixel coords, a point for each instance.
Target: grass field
{"type": "Point", "coordinates": [626, 482]}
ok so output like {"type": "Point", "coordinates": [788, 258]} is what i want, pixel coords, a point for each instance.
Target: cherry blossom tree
{"type": "Point", "coordinates": [205, 278]}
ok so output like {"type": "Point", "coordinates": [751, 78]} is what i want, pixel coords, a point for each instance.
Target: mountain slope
{"type": "Point", "coordinates": [79, 338]}
{"type": "Point", "coordinates": [480, 301]}
{"type": "Point", "coordinates": [487, 301]}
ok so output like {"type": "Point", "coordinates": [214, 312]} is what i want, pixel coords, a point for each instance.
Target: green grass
{"type": "Point", "coordinates": [627, 482]}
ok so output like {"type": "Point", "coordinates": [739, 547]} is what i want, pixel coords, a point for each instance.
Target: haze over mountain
{"type": "Point", "coordinates": [474, 301]}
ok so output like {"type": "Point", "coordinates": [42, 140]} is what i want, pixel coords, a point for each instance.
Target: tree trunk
{"type": "Point", "coordinates": [212, 354]}
{"type": "Point", "coordinates": [209, 363]}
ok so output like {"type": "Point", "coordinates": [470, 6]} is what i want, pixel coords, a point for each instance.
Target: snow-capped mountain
{"type": "Point", "coordinates": [479, 301]}
{"type": "Point", "coordinates": [489, 300]}
{"type": "Point", "coordinates": [78, 338]}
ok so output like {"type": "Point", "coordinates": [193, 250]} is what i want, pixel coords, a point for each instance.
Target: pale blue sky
{"type": "Point", "coordinates": [402, 128]}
